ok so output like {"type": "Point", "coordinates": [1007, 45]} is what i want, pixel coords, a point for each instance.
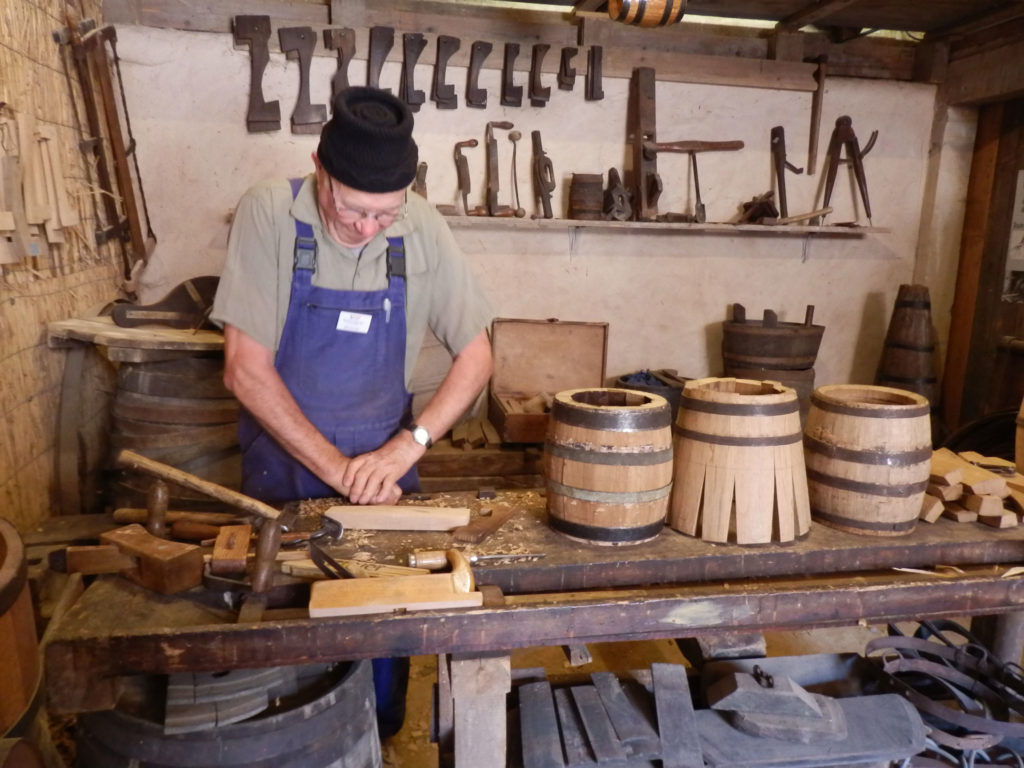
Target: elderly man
{"type": "Point", "coordinates": [329, 286]}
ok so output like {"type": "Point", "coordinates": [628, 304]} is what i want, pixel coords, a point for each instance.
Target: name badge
{"type": "Point", "coordinates": [353, 322]}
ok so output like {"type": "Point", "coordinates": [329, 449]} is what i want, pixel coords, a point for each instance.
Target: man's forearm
{"type": "Point", "coordinates": [464, 381]}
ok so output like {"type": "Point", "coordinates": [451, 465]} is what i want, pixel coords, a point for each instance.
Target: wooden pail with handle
{"type": "Point", "coordinates": [647, 13]}
{"type": "Point", "coordinates": [739, 466]}
{"type": "Point", "coordinates": [608, 464]}
{"type": "Point", "coordinates": [868, 454]}
{"type": "Point", "coordinates": [19, 647]}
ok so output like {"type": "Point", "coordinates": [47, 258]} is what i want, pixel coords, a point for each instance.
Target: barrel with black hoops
{"type": "Point", "coordinates": [909, 356]}
{"type": "Point", "coordinates": [868, 456]}
{"type": "Point", "coordinates": [647, 13]}
{"type": "Point", "coordinates": [608, 464]}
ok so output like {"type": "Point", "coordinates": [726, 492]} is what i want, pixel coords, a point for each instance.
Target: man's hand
{"type": "Point", "coordinates": [372, 477]}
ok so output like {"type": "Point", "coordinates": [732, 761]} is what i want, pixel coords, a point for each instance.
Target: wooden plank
{"type": "Point", "coordinates": [945, 492]}
{"type": "Point", "coordinates": [976, 480]}
{"type": "Point", "coordinates": [599, 729]}
{"type": "Point", "coordinates": [677, 727]}
{"type": "Point", "coordinates": [479, 688]}
{"type": "Point", "coordinates": [353, 597]}
{"type": "Point", "coordinates": [983, 505]}
{"type": "Point", "coordinates": [931, 509]}
{"type": "Point", "coordinates": [574, 739]}
{"type": "Point", "coordinates": [541, 739]}
{"type": "Point", "coordinates": [399, 518]}
{"type": "Point", "coordinates": [101, 331]}
{"type": "Point", "coordinates": [632, 728]}
{"type": "Point", "coordinates": [986, 77]}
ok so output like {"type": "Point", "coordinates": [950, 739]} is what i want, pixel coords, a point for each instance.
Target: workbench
{"type": "Point", "coordinates": [671, 587]}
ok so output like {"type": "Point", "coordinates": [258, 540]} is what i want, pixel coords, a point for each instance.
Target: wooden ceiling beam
{"type": "Point", "coordinates": [980, 22]}
{"type": "Point", "coordinates": [811, 14]}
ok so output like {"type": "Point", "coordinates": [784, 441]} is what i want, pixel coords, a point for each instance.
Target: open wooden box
{"type": "Point", "coordinates": [533, 361]}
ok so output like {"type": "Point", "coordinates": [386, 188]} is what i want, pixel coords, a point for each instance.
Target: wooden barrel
{"type": "Point", "coordinates": [739, 467]}
{"type": "Point", "coordinates": [868, 454]}
{"type": "Point", "coordinates": [608, 464]}
{"type": "Point", "coordinates": [18, 753]}
{"type": "Point", "coordinates": [799, 379]}
{"type": "Point", "coordinates": [1018, 445]}
{"type": "Point", "coordinates": [908, 358]}
{"type": "Point", "coordinates": [586, 196]}
{"type": "Point", "coordinates": [19, 647]}
{"type": "Point", "coordinates": [769, 342]}
{"type": "Point", "coordinates": [647, 13]}
{"type": "Point", "coordinates": [330, 722]}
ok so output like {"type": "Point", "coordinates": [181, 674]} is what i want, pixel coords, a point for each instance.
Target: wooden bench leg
{"type": "Point", "coordinates": [479, 688]}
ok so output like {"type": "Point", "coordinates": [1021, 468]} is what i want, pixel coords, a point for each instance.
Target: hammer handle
{"type": "Point", "coordinates": [132, 460]}
{"type": "Point", "coordinates": [692, 146]}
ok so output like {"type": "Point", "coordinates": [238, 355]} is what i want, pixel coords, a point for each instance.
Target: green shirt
{"type": "Point", "coordinates": [255, 285]}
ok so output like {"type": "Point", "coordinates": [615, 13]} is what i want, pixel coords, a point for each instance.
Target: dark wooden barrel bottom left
{"type": "Point", "coordinates": [331, 723]}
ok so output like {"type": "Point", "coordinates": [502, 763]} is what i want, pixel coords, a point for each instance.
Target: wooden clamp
{"type": "Point", "coordinates": [298, 43]}
{"type": "Point", "coordinates": [255, 30]}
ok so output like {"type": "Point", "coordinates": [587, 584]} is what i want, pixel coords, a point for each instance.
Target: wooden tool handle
{"type": "Point", "coordinates": [431, 559]}
{"type": "Point", "coordinates": [132, 460]}
{"type": "Point", "coordinates": [692, 146]}
{"type": "Point", "coordinates": [482, 527]}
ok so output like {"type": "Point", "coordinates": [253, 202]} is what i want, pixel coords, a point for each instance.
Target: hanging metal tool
{"type": "Point", "coordinates": [381, 41]}
{"type": "Point", "coordinates": [475, 95]}
{"type": "Point", "coordinates": [462, 172]}
{"type": "Point", "coordinates": [843, 136]}
{"type": "Point", "coordinates": [539, 94]}
{"type": "Point", "coordinates": [298, 43]}
{"type": "Point", "coordinates": [691, 147]}
{"type": "Point", "coordinates": [442, 93]}
{"type": "Point", "coordinates": [519, 211]}
{"type": "Point", "coordinates": [511, 94]}
{"type": "Point", "coordinates": [543, 175]}
{"type": "Point", "coordinates": [413, 44]}
{"type": "Point", "coordinates": [616, 198]}
{"type": "Point", "coordinates": [594, 91]}
{"type": "Point", "coordinates": [816, 104]}
{"type": "Point", "coordinates": [493, 185]}
{"type": "Point", "coordinates": [255, 30]}
{"type": "Point", "coordinates": [566, 71]}
{"type": "Point", "coordinates": [344, 42]}
{"type": "Point", "coordinates": [781, 164]}
{"type": "Point", "coordinates": [699, 214]}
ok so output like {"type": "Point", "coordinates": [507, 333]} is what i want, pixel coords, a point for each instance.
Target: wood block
{"type": "Point", "coordinates": [975, 479]}
{"type": "Point", "coordinates": [631, 726]}
{"type": "Point", "coordinates": [230, 549]}
{"type": "Point", "coordinates": [931, 509]}
{"type": "Point", "coordinates": [542, 742]}
{"type": "Point", "coordinates": [352, 597]}
{"type": "Point", "coordinates": [92, 560]}
{"type": "Point", "coordinates": [475, 434]}
{"type": "Point", "coordinates": [945, 492]}
{"type": "Point", "coordinates": [490, 433]}
{"type": "Point", "coordinates": [459, 434]}
{"type": "Point", "coordinates": [1004, 520]}
{"type": "Point", "coordinates": [164, 566]}
{"type": "Point", "coordinates": [574, 739]}
{"type": "Point", "coordinates": [482, 527]}
{"type": "Point", "coordinates": [983, 505]}
{"type": "Point", "coordinates": [399, 518]}
{"type": "Point", "coordinates": [958, 513]}
{"type": "Point", "coordinates": [600, 731]}
{"type": "Point", "coordinates": [479, 690]}
{"type": "Point", "coordinates": [677, 725]}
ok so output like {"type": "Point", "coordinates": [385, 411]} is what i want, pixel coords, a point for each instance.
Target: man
{"type": "Point", "coordinates": [329, 285]}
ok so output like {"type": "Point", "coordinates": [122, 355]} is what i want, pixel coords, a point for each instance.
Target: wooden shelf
{"type": "Point", "coordinates": [654, 227]}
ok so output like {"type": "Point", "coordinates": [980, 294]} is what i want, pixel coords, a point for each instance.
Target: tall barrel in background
{"type": "Point", "coordinates": [868, 455]}
{"type": "Point", "coordinates": [19, 648]}
{"type": "Point", "coordinates": [608, 464]}
{"type": "Point", "coordinates": [739, 466]}
{"type": "Point", "coordinates": [647, 13]}
{"type": "Point", "coordinates": [908, 358]}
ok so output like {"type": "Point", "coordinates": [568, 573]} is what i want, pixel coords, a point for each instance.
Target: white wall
{"type": "Point", "coordinates": [664, 295]}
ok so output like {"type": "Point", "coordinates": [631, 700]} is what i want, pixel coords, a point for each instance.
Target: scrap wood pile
{"type": "Point", "coordinates": [969, 487]}
{"type": "Point", "coordinates": [475, 433]}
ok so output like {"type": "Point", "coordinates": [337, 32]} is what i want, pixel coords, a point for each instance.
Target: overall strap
{"type": "Point", "coordinates": [305, 242]}
{"type": "Point", "coordinates": [396, 258]}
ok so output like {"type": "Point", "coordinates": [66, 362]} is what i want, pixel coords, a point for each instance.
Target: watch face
{"type": "Point", "coordinates": [420, 435]}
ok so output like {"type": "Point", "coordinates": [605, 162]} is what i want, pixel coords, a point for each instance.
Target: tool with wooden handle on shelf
{"type": "Point", "coordinates": [543, 174]}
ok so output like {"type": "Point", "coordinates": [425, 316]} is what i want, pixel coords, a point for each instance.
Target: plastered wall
{"type": "Point", "coordinates": [664, 294]}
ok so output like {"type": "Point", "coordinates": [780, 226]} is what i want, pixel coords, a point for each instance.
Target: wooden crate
{"type": "Point", "coordinates": [537, 359]}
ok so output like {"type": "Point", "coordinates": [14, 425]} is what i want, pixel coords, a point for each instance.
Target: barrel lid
{"type": "Point", "coordinates": [870, 400]}
{"type": "Point", "coordinates": [611, 409]}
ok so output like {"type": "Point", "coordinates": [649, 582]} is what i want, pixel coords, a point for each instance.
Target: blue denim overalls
{"type": "Point", "coordinates": [349, 380]}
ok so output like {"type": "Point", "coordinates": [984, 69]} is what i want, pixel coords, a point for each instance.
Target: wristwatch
{"type": "Point", "coordinates": [420, 435]}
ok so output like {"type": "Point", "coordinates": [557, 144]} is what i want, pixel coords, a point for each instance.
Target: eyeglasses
{"type": "Point", "coordinates": [354, 215]}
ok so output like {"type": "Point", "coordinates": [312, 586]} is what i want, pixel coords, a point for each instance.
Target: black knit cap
{"type": "Point", "coordinates": [367, 144]}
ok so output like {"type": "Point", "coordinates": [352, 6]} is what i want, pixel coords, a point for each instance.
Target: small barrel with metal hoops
{"type": "Point", "coordinates": [608, 464]}
{"type": "Point", "coordinates": [868, 455]}
{"type": "Point", "coordinates": [647, 13]}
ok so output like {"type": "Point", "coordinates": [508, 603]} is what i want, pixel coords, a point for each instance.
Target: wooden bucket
{"type": "Point", "coordinates": [19, 647]}
{"type": "Point", "coordinates": [739, 467]}
{"type": "Point", "coordinates": [330, 721]}
{"type": "Point", "coordinates": [586, 196]}
{"type": "Point", "coordinates": [868, 454]}
{"type": "Point", "coordinates": [769, 342]}
{"type": "Point", "coordinates": [1018, 445]}
{"type": "Point", "coordinates": [908, 358]}
{"type": "Point", "coordinates": [647, 13]}
{"type": "Point", "coordinates": [608, 464]}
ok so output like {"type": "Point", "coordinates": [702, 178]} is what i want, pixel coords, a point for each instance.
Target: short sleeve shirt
{"type": "Point", "coordinates": [255, 285]}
